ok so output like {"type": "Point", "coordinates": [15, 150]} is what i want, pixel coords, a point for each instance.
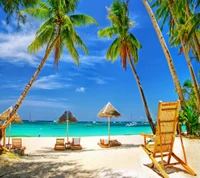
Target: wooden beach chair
{"type": "Point", "coordinates": [17, 145]}
{"type": "Point", "coordinates": [104, 143]}
{"type": "Point", "coordinates": [114, 143]}
{"type": "Point", "coordinates": [75, 145]}
{"type": "Point", "coordinates": [164, 138]}
{"type": "Point", "coordinates": [60, 144]}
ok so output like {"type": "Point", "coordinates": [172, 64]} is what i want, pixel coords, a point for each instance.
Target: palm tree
{"type": "Point", "coordinates": [167, 53]}
{"type": "Point", "coordinates": [12, 8]}
{"type": "Point", "coordinates": [56, 33]}
{"type": "Point", "coordinates": [125, 45]}
{"type": "Point", "coordinates": [172, 9]}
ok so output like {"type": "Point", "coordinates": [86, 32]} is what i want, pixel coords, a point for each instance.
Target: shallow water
{"type": "Point", "coordinates": [52, 129]}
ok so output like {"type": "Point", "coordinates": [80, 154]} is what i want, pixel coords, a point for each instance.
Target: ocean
{"type": "Point", "coordinates": [79, 129]}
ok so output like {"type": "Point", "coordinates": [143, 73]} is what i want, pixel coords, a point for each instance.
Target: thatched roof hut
{"type": "Point", "coordinates": [67, 115]}
{"type": "Point", "coordinates": [4, 115]}
{"type": "Point", "coordinates": [109, 111]}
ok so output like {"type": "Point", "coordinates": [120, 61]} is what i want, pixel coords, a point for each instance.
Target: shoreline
{"type": "Point", "coordinates": [92, 161]}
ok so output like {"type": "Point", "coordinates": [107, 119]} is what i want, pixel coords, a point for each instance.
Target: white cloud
{"type": "Point", "coordinates": [85, 60]}
{"type": "Point", "coordinates": [44, 102]}
{"type": "Point", "coordinates": [100, 79]}
{"type": "Point", "coordinates": [81, 90]}
{"type": "Point", "coordinates": [14, 44]}
{"type": "Point", "coordinates": [49, 83]}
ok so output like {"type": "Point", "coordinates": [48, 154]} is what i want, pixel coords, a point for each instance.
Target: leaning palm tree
{"type": "Point", "coordinates": [166, 53]}
{"type": "Point", "coordinates": [172, 8]}
{"type": "Point", "coordinates": [56, 33]}
{"type": "Point", "coordinates": [125, 45]}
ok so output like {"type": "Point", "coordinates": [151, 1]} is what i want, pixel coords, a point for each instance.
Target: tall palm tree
{"type": "Point", "coordinates": [56, 33]}
{"type": "Point", "coordinates": [125, 45]}
{"type": "Point", "coordinates": [171, 7]}
{"type": "Point", "coordinates": [166, 53]}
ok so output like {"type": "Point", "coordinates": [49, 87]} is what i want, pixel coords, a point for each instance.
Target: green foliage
{"type": "Point", "coordinates": [125, 45]}
{"type": "Point", "coordinates": [189, 115]}
{"type": "Point", "coordinates": [58, 26]}
{"type": "Point", "coordinates": [13, 7]}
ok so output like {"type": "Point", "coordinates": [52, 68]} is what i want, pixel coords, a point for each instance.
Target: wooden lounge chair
{"type": "Point", "coordinates": [17, 145]}
{"type": "Point", "coordinates": [114, 143]}
{"type": "Point", "coordinates": [60, 144]}
{"type": "Point", "coordinates": [104, 143]}
{"type": "Point", "coordinates": [164, 139]}
{"type": "Point", "coordinates": [75, 145]}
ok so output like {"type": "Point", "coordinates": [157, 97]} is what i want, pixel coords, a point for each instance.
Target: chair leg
{"type": "Point", "coordinates": [159, 167]}
{"type": "Point", "coordinates": [154, 162]}
{"type": "Point", "coordinates": [184, 165]}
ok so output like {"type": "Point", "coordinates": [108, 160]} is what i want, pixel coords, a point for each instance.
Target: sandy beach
{"type": "Point", "coordinates": [92, 161]}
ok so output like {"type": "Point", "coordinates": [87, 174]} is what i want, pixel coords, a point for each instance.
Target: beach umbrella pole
{"type": "Point", "coordinates": [67, 131]}
{"type": "Point", "coordinates": [9, 133]}
{"type": "Point", "coordinates": [108, 129]}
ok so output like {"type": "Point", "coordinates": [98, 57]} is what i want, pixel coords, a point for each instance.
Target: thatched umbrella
{"type": "Point", "coordinates": [67, 117]}
{"type": "Point", "coordinates": [109, 111]}
{"type": "Point", "coordinates": [4, 116]}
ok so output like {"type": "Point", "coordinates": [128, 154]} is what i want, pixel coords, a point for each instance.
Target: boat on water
{"type": "Point", "coordinates": [131, 124]}
{"type": "Point", "coordinates": [31, 120]}
{"type": "Point", "coordinates": [88, 125]}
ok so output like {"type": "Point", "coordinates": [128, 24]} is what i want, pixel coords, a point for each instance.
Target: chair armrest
{"type": "Point", "coordinates": [146, 136]}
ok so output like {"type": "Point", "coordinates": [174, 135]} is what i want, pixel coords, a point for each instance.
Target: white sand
{"type": "Point", "coordinates": [92, 161]}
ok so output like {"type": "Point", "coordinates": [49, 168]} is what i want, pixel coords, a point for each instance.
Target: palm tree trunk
{"type": "Point", "coordinates": [194, 37]}
{"type": "Point", "coordinates": [167, 54]}
{"type": "Point", "coordinates": [186, 53]}
{"type": "Point", "coordinates": [28, 86]}
{"type": "Point", "coordinates": [143, 96]}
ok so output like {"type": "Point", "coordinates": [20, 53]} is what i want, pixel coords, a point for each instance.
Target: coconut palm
{"type": "Point", "coordinates": [166, 53]}
{"type": "Point", "coordinates": [188, 22]}
{"type": "Point", "coordinates": [12, 8]}
{"type": "Point", "coordinates": [56, 33]}
{"type": "Point", "coordinates": [171, 8]}
{"type": "Point", "coordinates": [125, 45]}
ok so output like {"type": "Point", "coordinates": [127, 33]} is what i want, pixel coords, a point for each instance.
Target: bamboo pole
{"type": "Point", "coordinates": [67, 131]}
{"type": "Point", "coordinates": [108, 129]}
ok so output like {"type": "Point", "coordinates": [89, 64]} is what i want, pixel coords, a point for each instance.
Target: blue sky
{"type": "Point", "coordinates": [86, 89]}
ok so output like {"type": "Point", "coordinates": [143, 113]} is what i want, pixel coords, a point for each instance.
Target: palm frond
{"type": "Point", "coordinates": [69, 43]}
{"type": "Point", "coordinates": [80, 43]}
{"type": "Point", "coordinates": [113, 50]}
{"type": "Point", "coordinates": [108, 31]}
{"type": "Point", "coordinates": [40, 40]}
{"type": "Point", "coordinates": [40, 13]}
{"type": "Point", "coordinates": [82, 19]}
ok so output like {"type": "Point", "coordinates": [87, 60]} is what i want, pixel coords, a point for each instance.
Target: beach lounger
{"type": "Point", "coordinates": [17, 145]}
{"type": "Point", "coordinates": [60, 144]}
{"type": "Point", "coordinates": [164, 139]}
{"type": "Point", "coordinates": [75, 145]}
{"type": "Point", "coordinates": [104, 143]}
{"type": "Point", "coordinates": [114, 143]}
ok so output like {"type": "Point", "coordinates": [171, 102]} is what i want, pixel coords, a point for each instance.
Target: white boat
{"type": "Point", "coordinates": [131, 124]}
{"type": "Point", "coordinates": [88, 125]}
{"type": "Point", "coordinates": [30, 120]}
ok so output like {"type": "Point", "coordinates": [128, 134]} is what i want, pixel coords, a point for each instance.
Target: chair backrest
{"type": "Point", "coordinates": [76, 141]}
{"type": "Point", "coordinates": [16, 143]}
{"type": "Point", "coordinates": [60, 141]}
{"type": "Point", "coordinates": [166, 126]}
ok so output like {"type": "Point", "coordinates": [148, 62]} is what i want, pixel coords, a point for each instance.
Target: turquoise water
{"type": "Point", "coordinates": [80, 129]}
